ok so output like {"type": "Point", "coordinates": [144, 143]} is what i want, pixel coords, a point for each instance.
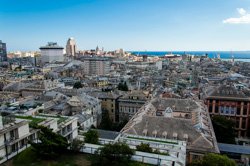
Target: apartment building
{"type": "Point", "coordinates": [14, 137]}
{"type": "Point", "coordinates": [129, 104]}
{"type": "Point", "coordinates": [109, 103]}
{"type": "Point", "coordinates": [63, 125]}
{"type": "Point", "coordinates": [96, 66]}
{"type": "Point", "coordinates": [233, 103]}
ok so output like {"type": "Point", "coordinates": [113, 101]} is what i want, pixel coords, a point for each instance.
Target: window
{"type": "Point", "coordinates": [245, 111]}
{"type": "Point", "coordinates": [243, 133]}
{"type": "Point", "coordinates": [216, 108]}
{"type": "Point", "coordinates": [216, 111]}
{"type": "Point", "coordinates": [237, 122]}
{"type": "Point", "coordinates": [210, 108]}
{"type": "Point", "coordinates": [238, 110]}
{"type": "Point", "coordinates": [13, 148]}
{"type": "Point", "coordinates": [245, 103]}
{"type": "Point", "coordinates": [233, 110]}
{"type": "Point", "coordinates": [243, 124]}
{"type": "Point", "coordinates": [112, 110]}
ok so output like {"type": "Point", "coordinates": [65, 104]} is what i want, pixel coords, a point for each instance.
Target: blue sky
{"type": "Point", "coordinates": [130, 24]}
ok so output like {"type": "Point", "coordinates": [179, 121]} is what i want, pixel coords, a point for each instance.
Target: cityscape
{"type": "Point", "coordinates": [119, 98]}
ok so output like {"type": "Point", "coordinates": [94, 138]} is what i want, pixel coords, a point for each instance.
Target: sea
{"type": "Point", "coordinates": [224, 55]}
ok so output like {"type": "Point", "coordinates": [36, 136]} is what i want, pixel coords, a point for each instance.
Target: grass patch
{"type": "Point", "coordinates": [33, 121]}
{"type": "Point", "coordinates": [94, 159]}
{"type": "Point", "coordinates": [153, 140]}
{"type": "Point", "coordinates": [60, 119]}
{"type": "Point", "coordinates": [29, 158]}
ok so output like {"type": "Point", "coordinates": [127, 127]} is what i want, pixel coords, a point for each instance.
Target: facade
{"type": "Point", "coordinates": [3, 51]}
{"type": "Point", "coordinates": [63, 125]}
{"type": "Point", "coordinates": [96, 66]}
{"type": "Point", "coordinates": [39, 87]}
{"type": "Point", "coordinates": [51, 53]}
{"type": "Point", "coordinates": [14, 137]}
{"type": "Point", "coordinates": [71, 47]}
{"type": "Point", "coordinates": [233, 103]}
{"type": "Point", "coordinates": [176, 119]}
{"type": "Point", "coordinates": [129, 104]}
{"type": "Point", "coordinates": [109, 103]}
{"type": "Point", "coordinates": [87, 105]}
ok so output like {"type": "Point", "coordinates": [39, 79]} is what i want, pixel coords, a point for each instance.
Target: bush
{"type": "Point", "coordinates": [122, 86]}
{"type": "Point", "coordinates": [213, 160]}
{"type": "Point", "coordinates": [114, 154]}
{"type": "Point", "coordinates": [144, 148]}
{"type": "Point", "coordinates": [222, 124]}
{"type": "Point", "coordinates": [51, 144]}
{"type": "Point", "coordinates": [76, 145]}
{"type": "Point", "coordinates": [40, 110]}
{"type": "Point", "coordinates": [77, 85]}
{"type": "Point", "coordinates": [91, 137]}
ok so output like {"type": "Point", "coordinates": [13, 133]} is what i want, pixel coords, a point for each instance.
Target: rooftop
{"type": "Point", "coordinates": [105, 134]}
{"type": "Point", "coordinates": [197, 130]}
{"type": "Point", "coordinates": [230, 148]}
{"type": "Point", "coordinates": [51, 45]}
{"type": "Point", "coordinates": [229, 92]}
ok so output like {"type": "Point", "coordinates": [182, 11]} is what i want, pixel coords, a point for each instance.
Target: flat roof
{"type": "Point", "coordinates": [51, 47]}
{"type": "Point", "coordinates": [106, 134]}
{"type": "Point", "coordinates": [231, 148]}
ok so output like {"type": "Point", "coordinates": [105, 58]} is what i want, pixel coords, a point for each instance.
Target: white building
{"type": "Point", "coordinates": [14, 137]}
{"type": "Point", "coordinates": [63, 125]}
{"type": "Point", "coordinates": [51, 53]}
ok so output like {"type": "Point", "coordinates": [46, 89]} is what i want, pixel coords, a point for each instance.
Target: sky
{"type": "Point", "coordinates": [134, 25]}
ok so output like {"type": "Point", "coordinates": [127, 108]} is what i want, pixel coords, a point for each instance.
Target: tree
{"type": "Point", "coordinates": [114, 154]}
{"type": "Point", "coordinates": [40, 111]}
{"type": "Point", "coordinates": [213, 160]}
{"type": "Point", "coordinates": [123, 86]}
{"type": "Point", "coordinates": [77, 85]}
{"type": "Point", "coordinates": [76, 145]}
{"type": "Point", "coordinates": [51, 144]}
{"type": "Point", "coordinates": [144, 148]}
{"type": "Point", "coordinates": [106, 122]}
{"type": "Point", "coordinates": [91, 137]}
{"type": "Point", "coordinates": [222, 124]}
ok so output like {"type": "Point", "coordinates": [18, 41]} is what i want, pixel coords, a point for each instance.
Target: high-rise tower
{"type": "Point", "coordinates": [71, 47]}
{"type": "Point", "coordinates": [3, 51]}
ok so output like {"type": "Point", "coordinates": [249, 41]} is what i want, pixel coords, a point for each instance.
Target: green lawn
{"type": "Point", "coordinates": [34, 121]}
{"type": "Point", "coordinates": [29, 158]}
{"type": "Point", "coordinates": [60, 118]}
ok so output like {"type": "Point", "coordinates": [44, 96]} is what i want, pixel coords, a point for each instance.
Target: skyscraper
{"type": "Point", "coordinates": [71, 47]}
{"type": "Point", "coordinates": [3, 51]}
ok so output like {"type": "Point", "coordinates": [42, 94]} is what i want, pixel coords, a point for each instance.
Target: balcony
{"type": "Point", "coordinates": [11, 140]}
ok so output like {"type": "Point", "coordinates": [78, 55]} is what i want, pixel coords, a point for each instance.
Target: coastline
{"type": "Point", "coordinates": [243, 56]}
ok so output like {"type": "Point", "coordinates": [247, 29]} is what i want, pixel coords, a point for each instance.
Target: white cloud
{"type": "Point", "coordinates": [241, 11]}
{"type": "Point", "coordinates": [243, 19]}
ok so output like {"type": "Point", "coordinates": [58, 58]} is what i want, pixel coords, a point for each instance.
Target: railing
{"type": "Point", "coordinates": [10, 140]}
{"type": "Point", "coordinates": [148, 158]}
{"type": "Point", "coordinates": [4, 159]}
